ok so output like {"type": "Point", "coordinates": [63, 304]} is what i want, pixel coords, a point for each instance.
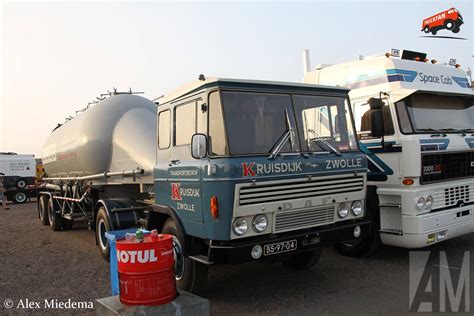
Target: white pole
{"type": "Point", "coordinates": [306, 61]}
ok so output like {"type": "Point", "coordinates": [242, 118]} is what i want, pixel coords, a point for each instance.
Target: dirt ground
{"type": "Point", "coordinates": [37, 264]}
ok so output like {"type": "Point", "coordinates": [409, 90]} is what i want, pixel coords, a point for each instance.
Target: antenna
{"type": "Point", "coordinates": [306, 61]}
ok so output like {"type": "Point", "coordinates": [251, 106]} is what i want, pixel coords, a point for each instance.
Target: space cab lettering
{"type": "Point", "coordinates": [177, 193]}
{"type": "Point", "coordinates": [344, 163]}
{"type": "Point", "coordinates": [435, 79]}
{"type": "Point", "coordinates": [252, 169]}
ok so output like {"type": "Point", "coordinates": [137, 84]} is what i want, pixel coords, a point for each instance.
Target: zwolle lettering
{"type": "Point", "coordinates": [252, 169]}
{"type": "Point", "coordinates": [343, 163]}
{"type": "Point", "coordinates": [136, 256]}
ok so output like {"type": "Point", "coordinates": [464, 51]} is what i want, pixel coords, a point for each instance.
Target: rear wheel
{"type": "Point", "coordinates": [303, 260]}
{"type": "Point", "coordinates": [55, 219]}
{"type": "Point", "coordinates": [21, 184]}
{"type": "Point", "coordinates": [190, 275]}
{"type": "Point", "coordinates": [449, 24]}
{"type": "Point", "coordinates": [43, 209]}
{"type": "Point", "coordinates": [434, 32]}
{"type": "Point", "coordinates": [102, 225]}
{"type": "Point", "coordinates": [19, 197]}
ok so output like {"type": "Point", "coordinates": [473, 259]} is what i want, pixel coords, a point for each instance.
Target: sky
{"type": "Point", "coordinates": [58, 56]}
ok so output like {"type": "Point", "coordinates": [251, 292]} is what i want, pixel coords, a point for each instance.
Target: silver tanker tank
{"type": "Point", "coordinates": [115, 135]}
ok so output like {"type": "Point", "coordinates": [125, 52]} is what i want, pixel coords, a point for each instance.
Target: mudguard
{"type": "Point", "coordinates": [120, 219]}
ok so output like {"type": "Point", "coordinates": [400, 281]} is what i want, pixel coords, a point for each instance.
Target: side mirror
{"type": "Point", "coordinates": [376, 123]}
{"type": "Point", "coordinates": [198, 146]}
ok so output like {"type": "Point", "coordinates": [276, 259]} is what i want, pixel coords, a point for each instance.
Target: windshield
{"type": "Point", "coordinates": [257, 123]}
{"type": "Point", "coordinates": [420, 113]}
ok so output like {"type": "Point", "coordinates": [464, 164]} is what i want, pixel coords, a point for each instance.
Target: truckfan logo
{"type": "Point", "coordinates": [450, 20]}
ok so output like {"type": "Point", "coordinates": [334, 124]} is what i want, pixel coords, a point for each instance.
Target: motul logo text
{"type": "Point", "coordinates": [138, 256]}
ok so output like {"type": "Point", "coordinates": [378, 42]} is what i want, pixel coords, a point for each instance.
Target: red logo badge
{"type": "Point", "coordinates": [248, 169]}
{"type": "Point", "coordinates": [175, 194]}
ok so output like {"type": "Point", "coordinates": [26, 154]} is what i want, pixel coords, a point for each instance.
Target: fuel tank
{"type": "Point", "coordinates": [116, 134]}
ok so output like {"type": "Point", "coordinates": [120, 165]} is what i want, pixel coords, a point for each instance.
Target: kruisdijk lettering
{"type": "Point", "coordinates": [252, 169]}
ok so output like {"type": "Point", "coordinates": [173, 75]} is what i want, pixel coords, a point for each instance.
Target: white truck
{"type": "Point", "coordinates": [415, 121]}
{"type": "Point", "coordinates": [18, 170]}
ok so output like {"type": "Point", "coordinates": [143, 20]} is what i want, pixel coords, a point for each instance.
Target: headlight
{"type": "Point", "coordinates": [240, 226]}
{"type": "Point", "coordinates": [260, 223]}
{"type": "Point", "coordinates": [356, 208]}
{"type": "Point", "coordinates": [343, 210]}
{"type": "Point", "coordinates": [420, 203]}
{"type": "Point", "coordinates": [429, 201]}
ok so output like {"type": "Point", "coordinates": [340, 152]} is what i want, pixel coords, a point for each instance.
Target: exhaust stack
{"type": "Point", "coordinates": [306, 61]}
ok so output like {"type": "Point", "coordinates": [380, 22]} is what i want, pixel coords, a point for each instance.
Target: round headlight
{"type": "Point", "coordinates": [356, 208]}
{"type": "Point", "coordinates": [240, 226]}
{"type": "Point", "coordinates": [420, 203]}
{"type": "Point", "coordinates": [429, 201]}
{"type": "Point", "coordinates": [343, 210]}
{"type": "Point", "coordinates": [260, 223]}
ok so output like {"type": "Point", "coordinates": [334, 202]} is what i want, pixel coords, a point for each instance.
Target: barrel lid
{"type": "Point", "coordinates": [146, 239]}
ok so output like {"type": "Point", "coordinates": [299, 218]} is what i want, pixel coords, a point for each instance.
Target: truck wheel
{"type": "Point", "coordinates": [361, 247]}
{"type": "Point", "coordinates": [434, 32]}
{"type": "Point", "coordinates": [449, 24]}
{"type": "Point", "coordinates": [55, 219]}
{"type": "Point", "coordinates": [303, 260]}
{"type": "Point", "coordinates": [191, 276]}
{"type": "Point", "coordinates": [67, 224]}
{"type": "Point", "coordinates": [456, 29]}
{"type": "Point", "coordinates": [19, 197]}
{"type": "Point", "coordinates": [426, 29]}
{"type": "Point", "coordinates": [21, 184]}
{"type": "Point", "coordinates": [102, 225]}
{"type": "Point", "coordinates": [43, 210]}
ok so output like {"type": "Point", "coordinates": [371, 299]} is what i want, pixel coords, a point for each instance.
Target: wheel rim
{"type": "Point", "coordinates": [449, 25]}
{"type": "Point", "coordinates": [20, 197]}
{"type": "Point", "coordinates": [178, 259]}
{"type": "Point", "coordinates": [21, 184]}
{"type": "Point", "coordinates": [102, 230]}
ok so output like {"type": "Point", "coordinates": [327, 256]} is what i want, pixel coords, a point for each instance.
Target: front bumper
{"type": "Point", "coordinates": [417, 229]}
{"type": "Point", "coordinates": [239, 251]}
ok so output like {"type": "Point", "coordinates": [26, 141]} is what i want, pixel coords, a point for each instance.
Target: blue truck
{"type": "Point", "coordinates": [239, 171]}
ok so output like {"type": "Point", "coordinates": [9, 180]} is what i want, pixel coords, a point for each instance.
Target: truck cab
{"type": "Point", "coordinates": [256, 171]}
{"type": "Point", "coordinates": [415, 121]}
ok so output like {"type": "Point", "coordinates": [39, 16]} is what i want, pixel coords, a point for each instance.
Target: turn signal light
{"type": "Point", "coordinates": [214, 207]}
{"type": "Point", "coordinates": [407, 181]}
{"type": "Point", "coordinates": [434, 61]}
{"type": "Point", "coordinates": [457, 65]}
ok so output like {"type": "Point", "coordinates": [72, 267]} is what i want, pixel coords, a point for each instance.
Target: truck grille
{"type": "Point", "coordinates": [446, 166]}
{"type": "Point", "coordinates": [298, 219]}
{"type": "Point", "coordinates": [452, 196]}
{"type": "Point", "coordinates": [264, 192]}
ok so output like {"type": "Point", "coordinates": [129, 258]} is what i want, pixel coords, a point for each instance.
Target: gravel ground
{"type": "Point", "coordinates": [37, 264]}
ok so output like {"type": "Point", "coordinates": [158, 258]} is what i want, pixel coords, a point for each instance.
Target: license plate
{"type": "Point", "coordinates": [279, 247]}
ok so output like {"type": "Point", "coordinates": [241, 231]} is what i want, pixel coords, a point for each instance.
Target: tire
{"type": "Point", "coordinates": [21, 183]}
{"type": "Point", "coordinates": [434, 32]}
{"type": "Point", "coordinates": [67, 224]}
{"type": "Point", "coordinates": [19, 197]}
{"type": "Point", "coordinates": [303, 260]}
{"type": "Point", "coordinates": [102, 225]}
{"type": "Point", "coordinates": [43, 209]}
{"type": "Point", "coordinates": [191, 276]}
{"type": "Point", "coordinates": [449, 24]}
{"type": "Point", "coordinates": [55, 219]}
{"type": "Point", "coordinates": [426, 29]}
{"type": "Point", "coordinates": [456, 29]}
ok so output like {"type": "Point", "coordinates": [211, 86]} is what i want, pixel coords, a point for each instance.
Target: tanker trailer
{"type": "Point", "coordinates": [99, 167]}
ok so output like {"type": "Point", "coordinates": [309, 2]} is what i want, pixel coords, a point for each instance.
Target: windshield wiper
{"type": "Point", "coordinates": [431, 130]}
{"type": "Point", "coordinates": [467, 130]}
{"type": "Point", "coordinates": [319, 138]}
{"type": "Point", "coordinates": [454, 129]}
{"type": "Point", "coordinates": [280, 144]}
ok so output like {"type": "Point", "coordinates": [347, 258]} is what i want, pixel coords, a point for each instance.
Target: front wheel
{"type": "Point", "coordinates": [19, 197]}
{"type": "Point", "coordinates": [191, 276]}
{"type": "Point", "coordinates": [359, 247]}
{"type": "Point", "coordinates": [456, 29]}
{"type": "Point", "coordinates": [102, 225]}
{"type": "Point", "coordinates": [303, 260]}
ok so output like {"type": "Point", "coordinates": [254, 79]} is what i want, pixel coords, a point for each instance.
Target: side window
{"type": "Point", "coordinates": [184, 123]}
{"type": "Point", "coordinates": [363, 120]}
{"type": "Point", "coordinates": [164, 129]}
{"type": "Point", "coordinates": [217, 136]}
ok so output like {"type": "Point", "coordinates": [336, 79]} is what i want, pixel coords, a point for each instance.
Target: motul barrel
{"type": "Point", "coordinates": [146, 270]}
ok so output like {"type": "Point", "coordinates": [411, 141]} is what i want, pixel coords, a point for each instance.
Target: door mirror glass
{"type": "Point", "coordinates": [198, 146]}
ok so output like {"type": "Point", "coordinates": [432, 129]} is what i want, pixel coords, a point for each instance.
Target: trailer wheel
{"type": "Point", "coordinates": [191, 276]}
{"type": "Point", "coordinates": [43, 209]}
{"type": "Point", "coordinates": [21, 184]}
{"type": "Point", "coordinates": [303, 260]}
{"type": "Point", "coordinates": [19, 197]}
{"type": "Point", "coordinates": [55, 219]}
{"type": "Point", "coordinates": [102, 225]}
